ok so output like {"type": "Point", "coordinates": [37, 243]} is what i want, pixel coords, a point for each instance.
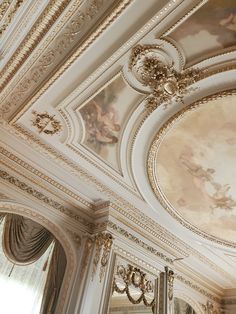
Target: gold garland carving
{"type": "Point", "coordinates": [133, 276]}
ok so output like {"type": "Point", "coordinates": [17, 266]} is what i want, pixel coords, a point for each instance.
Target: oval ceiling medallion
{"type": "Point", "coordinates": [192, 167]}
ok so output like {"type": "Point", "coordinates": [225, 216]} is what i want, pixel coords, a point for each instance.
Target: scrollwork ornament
{"type": "Point", "coordinates": [154, 69]}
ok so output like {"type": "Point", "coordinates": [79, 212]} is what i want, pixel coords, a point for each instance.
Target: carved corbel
{"type": "Point", "coordinates": [103, 244]}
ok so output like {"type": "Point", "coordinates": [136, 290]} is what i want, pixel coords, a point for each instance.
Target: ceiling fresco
{"type": "Point", "coordinates": [195, 166]}
{"type": "Point", "coordinates": [209, 31]}
{"type": "Point", "coordinates": [105, 116]}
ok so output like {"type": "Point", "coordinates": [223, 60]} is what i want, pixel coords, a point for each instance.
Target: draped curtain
{"type": "Point", "coordinates": [24, 242]}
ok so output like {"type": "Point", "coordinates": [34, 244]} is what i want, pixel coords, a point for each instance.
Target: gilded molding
{"type": "Point", "coordinates": [86, 253]}
{"type": "Point", "coordinates": [152, 155]}
{"type": "Point", "coordinates": [38, 31]}
{"type": "Point", "coordinates": [44, 177]}
{"type": "Point", "coordinates": [197, 288]}
{"type": "Point", "coordinates": [43, 198]}
{"type": "Point", "coordinates": [9, 15]}
{"type": "Point", "coordinates": [4, 5]}
{"type": "Point", "coordinates": [210, 308]}
{"type": "Point", "coordinates": [139, 242]}
{"type": "Point", "coordinates": [46, 123]}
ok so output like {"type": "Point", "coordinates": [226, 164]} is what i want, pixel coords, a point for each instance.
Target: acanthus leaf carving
{"type": "Point", "coordinates": [154, 69]}
{"type": "Point", "coordinates": [103, 243]}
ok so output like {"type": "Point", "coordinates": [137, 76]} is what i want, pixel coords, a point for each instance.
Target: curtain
{"type": "Point", "coordinates": [54, 280]}
{"type": "Point", "coordinates": [24, 240]}
{"type": "Point", "coordinates": [22, 287]}
{"type": "Point", "coordinates": [2, 215]}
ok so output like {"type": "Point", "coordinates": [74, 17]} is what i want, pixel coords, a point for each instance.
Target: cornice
{"type": "Point", "coordinates": [44, 177]}
{"type": "Point", "coordinates": [45, 199]}
{"type": "Point", "coordinates": [197, 288]}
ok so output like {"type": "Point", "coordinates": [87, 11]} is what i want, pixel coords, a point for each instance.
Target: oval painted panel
{"type": "Point", "coordinates": [195, 166]}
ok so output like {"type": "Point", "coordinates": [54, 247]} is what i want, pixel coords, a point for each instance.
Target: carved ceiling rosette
{"type": "Point", "coordinates": [160, 77]}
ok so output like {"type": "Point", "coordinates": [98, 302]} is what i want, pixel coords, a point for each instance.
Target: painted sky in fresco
{"type": "Point", "coordinates": [196, 167]}
{"type": "Point", "coordinates": [105, 116]}
{"type": "Point", "coordinates": [209, 31]}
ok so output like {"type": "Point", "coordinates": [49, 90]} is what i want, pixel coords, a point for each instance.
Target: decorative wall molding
{"type": "Point", "coordinates": [33, 38]}
{"type": "Point", "coordinates": [43, 198]}
{"type": "Point", "coordinates": [120, 205]}
{"type": "Point", "coordinates": [139, 242]}
{"type": "Point", "coordinates": [196, 287]}
{"type": "Point", "coordinates": [8, 12]}
{"type": "Point", "coordinates": [133, 276]}
{"type": "Point", "coordinates": [44, 177]}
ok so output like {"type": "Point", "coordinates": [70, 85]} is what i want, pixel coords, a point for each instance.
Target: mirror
{"type": "Point", "coordinates": [132, 291]}
{"type": "Point", "coordinates": [182, 307]}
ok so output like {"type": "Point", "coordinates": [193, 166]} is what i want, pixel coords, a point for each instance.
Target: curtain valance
{"type": "Point", "coordinates": [24, 240]}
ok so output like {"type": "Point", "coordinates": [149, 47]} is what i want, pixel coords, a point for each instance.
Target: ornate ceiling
{"type": "Point", "coordinates": [128, 109]}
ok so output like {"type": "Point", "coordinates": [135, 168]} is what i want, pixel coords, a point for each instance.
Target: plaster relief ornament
{"type": "Point", "coordinates": [46, 123]}
{"type": "Point", "coordinates": [154, 69]}
{"type": "Point", "coordinates": [127, 279]}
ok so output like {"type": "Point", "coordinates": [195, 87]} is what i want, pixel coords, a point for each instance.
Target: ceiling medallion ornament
{"type": "Point", "coordinates": [154, 69]}
{"type": "Point", "coordinates": [46, 123]}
